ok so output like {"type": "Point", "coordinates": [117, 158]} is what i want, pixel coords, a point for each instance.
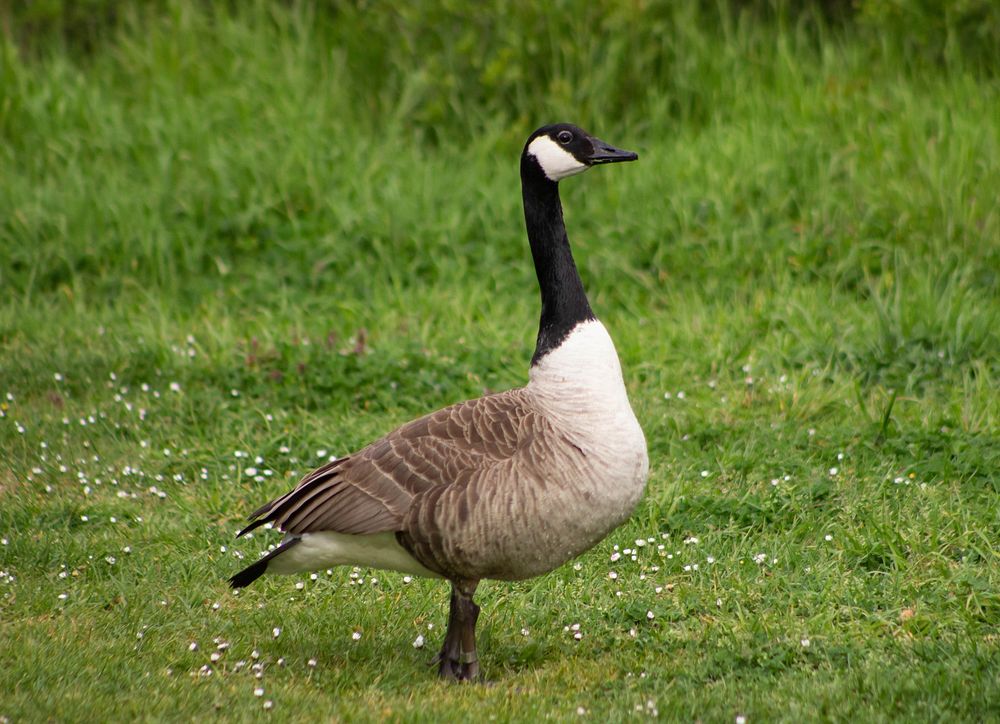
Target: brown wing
{"type": "Point", "coordinates": [371, 490]}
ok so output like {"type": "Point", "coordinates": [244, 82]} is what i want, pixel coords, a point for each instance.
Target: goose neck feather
{"type": "Point", "coordinates": [564, 301]}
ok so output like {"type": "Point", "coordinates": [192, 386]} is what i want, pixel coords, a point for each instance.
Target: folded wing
{"type": "Point", "coordinates": [372, 490]}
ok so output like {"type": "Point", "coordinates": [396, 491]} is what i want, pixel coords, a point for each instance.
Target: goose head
{"type": "Point", "coordinates": [562, 150]}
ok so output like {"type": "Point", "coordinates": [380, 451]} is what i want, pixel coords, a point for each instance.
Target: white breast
{"type": "Point", "coordinates": [579, 386]}
{"type": "Point", "coordinates": [582, 375]}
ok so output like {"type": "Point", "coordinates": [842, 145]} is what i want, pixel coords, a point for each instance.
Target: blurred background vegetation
{"type": "Point", "coordinates": [433, 63]}
{"type": "Point", "coordinates": [170, 144]}
{"type": "Point", "coordinates": [122, 73]}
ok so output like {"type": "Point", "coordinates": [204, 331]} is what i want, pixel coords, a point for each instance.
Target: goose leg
{"type": "Point", "coordinates": [457, 659]}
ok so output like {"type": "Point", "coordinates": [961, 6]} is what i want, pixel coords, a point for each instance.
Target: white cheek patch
{"type": "Point", "coordinates": [556, 162]}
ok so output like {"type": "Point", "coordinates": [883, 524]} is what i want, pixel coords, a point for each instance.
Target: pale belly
{"type": "Point", "coordinates": [328, 549]}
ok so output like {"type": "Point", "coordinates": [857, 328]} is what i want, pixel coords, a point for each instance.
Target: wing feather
{"type": "Point", "coordinates": [372, 490]}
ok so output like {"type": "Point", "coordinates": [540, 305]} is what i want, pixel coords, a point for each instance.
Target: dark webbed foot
{"type": "Point", "coordinates": [458, 659]}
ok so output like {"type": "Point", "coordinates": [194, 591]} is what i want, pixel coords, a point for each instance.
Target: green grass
{"type": "Point", "coordinates": [192, 236]}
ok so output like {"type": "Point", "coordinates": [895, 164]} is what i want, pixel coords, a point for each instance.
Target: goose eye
{"type": "Point", "coordinates": [564, 137]}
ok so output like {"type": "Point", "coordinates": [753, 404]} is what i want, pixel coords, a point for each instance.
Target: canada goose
{"type": "Point", "coordinates": [508, 486]}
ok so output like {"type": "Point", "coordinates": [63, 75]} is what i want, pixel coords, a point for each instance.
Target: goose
{"type": "Point", "coordinates": [507, 486]}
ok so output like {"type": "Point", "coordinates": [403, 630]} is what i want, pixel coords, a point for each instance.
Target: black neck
{"type": "Point", "coordinates": [564, 302]}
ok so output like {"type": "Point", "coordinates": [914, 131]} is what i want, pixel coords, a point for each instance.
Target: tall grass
{"type": "Point", "coordinates": [313, 97]}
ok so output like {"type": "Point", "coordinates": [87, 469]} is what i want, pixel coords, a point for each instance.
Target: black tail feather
{"type": "Point", "coordinates": [255, 524]}
{"type": "Point", "coordinates": [271, 511]}
{"type": "Point", "coordinates": [249, 574]}
{"type": "Point", "coordinates": [255, 570]}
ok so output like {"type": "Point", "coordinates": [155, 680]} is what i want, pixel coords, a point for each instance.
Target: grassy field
{"type": "Point", "coordinates": [227, 253]}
